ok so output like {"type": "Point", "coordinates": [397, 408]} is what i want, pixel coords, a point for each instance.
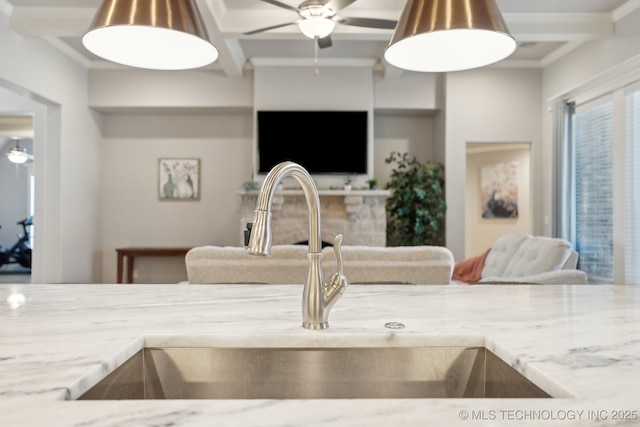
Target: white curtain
{"type": "Point", "coordinates": [563, 215]}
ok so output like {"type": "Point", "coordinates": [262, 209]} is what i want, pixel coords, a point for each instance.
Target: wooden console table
{"type": "Point", "coordinates": [131, 253]}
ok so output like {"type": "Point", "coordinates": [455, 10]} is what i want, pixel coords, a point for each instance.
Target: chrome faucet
{"type": "Point", "coordinates": [317, 298]}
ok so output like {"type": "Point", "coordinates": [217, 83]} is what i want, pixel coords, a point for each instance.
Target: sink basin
{"type": "Point", "coordinates": [313, 373]}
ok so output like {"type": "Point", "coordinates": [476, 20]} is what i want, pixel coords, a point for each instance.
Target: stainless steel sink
{"type": "Point", "coordinates": [314, 373]}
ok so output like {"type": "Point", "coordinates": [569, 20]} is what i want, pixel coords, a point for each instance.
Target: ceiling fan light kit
{"type": "Point", "coordinates": [316, 27]}
{"type": "Point", "coordinates": [449, 35]}
{"type": "Point", "coordinates": [151, 34]}
{"type": "Point", "coordinates": [318, 19]}
{"type": "Point", "coordinates": [18, 155]}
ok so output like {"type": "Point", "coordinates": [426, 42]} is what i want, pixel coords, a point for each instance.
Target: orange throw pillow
{"type": "Point", "coordinates": [470, 270]}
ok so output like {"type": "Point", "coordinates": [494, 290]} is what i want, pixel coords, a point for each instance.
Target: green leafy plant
{"type": "Point", "coordinates": [416, 208]}
{"type": "Point", "coordinates": [373, 183]}
{"type": "Point", "coordinates": [250, 186]}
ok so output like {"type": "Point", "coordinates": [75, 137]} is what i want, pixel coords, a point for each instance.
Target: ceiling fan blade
{"type": "Point", "coordinates": [273, 27]}
{"type": "Point", "coordinates": [325, 42]}
{"type": "Point", "coordinates": [336, 5]}
{"type": "Point", "coordinates": [385, 24]}
{"type": "Point", "coordinates": [282, 5]}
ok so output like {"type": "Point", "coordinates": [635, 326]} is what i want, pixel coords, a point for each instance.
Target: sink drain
{"type": "Point", "coordinates": [394, 325]}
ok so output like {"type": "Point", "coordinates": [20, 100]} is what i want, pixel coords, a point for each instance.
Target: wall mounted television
{"type": "Point", "coordinates": [323, 142]}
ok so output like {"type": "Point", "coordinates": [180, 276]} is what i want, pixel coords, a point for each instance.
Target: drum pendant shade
{"type": "Point", "coordinates": [449, 35]}
{"type": "Point", "coordinates": [151, 34]}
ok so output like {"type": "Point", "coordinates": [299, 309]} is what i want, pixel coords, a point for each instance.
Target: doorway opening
{"type": "Point", "coordinates": [17, 191]}
{"type": "Point", "coordinates": [498, 193]}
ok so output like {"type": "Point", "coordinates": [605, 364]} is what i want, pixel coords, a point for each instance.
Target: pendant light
{"type": "Point", "coordinates": [449, 35]}
{"type": "Point", "coordinates": [151, 34]}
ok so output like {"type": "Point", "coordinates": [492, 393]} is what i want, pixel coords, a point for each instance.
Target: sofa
{"type": "Point", "coordinates": [288, 264]}
{"type": "Point", "coordinates": [523, 259]}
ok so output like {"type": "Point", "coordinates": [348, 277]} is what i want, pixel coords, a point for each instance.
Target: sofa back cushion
{"type": "Point", "coordinates": [538, 255]}
{"type": "Point", "coordinates": [501, 253]}
{"type": "Point", "coordinates": [418, 265]}
{"type": "Point", "coordinates": [390, 253]}
{"type": "Point", "coordinates": [230, 264]}
{"type": "Point", "coordinates": [289, 264]}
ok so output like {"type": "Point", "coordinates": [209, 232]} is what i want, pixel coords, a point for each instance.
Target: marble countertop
{"type": "Point", "coordinates": [579, 343]}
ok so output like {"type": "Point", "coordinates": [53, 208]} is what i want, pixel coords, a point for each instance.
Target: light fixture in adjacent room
{"type": "Point", "coordinates": [449, 35]}
{"type": "Point", "coordinates": [151, 34]}
{"type": "Point", "coordinates": [18, 155]}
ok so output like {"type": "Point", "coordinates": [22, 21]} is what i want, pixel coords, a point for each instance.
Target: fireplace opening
{"type": "Point", "coordinates": [323, 243]}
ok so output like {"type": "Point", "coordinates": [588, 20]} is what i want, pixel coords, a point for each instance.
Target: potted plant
{"type": "Point", "coordinates": [373, 183]}
{"type": "Point", "coordinates": [347, 183]}
{"type": "Point", "coordinates": [416, 208]}
{"type": "Point", "coordinates": [250, 186]}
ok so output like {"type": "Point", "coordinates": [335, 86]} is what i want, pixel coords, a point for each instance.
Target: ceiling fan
{"type": "Point", "coordinates": [17, 154]}
{"type": "Point", "coordinates": [319, 17]}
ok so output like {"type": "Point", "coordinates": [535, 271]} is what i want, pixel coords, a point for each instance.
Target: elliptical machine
{"type": "Point", "coordinates": [20, 252]}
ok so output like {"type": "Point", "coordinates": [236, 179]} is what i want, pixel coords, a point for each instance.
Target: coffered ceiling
{"type": "Point", "coordinates": [544, 29]}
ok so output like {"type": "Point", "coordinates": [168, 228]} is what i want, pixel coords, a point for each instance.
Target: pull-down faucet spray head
{"type": "Point", "coordinates": [260, 234]}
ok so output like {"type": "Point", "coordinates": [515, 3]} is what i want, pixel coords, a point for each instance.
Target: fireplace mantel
{"type": "Point", "coordinates": [359, 215]}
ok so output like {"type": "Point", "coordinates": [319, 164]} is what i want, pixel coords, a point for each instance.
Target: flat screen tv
{"type": "Point", "coordinates": [323, 142]}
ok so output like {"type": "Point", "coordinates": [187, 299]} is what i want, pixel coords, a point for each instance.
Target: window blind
{"type": "Point", "coordinates": [592, 134]}
{"type": "Point", "coordinates": [632, 239]}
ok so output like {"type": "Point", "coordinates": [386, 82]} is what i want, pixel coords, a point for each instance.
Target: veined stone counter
{"type": "Point", "coordinates": [359, 215]}
{"type": "Point", "coordinates": [580, 343]}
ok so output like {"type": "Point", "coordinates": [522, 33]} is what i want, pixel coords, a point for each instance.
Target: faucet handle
{"type": "Point", "coordinates": [338, 282]}
{"type": "Point", "coordinates": [337, 249]}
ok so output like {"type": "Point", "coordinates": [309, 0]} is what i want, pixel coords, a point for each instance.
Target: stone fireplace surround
{"type": "Point", "coordinates": [359, 215]}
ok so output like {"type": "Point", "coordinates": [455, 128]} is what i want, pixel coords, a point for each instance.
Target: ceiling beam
{"type": "Point", "coordinates": [560, 26]}
{"type": "Point", "coordinates": [232, 58]}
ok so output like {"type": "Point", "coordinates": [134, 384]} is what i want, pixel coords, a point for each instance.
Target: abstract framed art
{"type": "Point", "coordinates": [499, 189]}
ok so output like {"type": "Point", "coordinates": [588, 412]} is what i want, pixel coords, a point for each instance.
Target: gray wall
{"type": "Point", "coordinates": [135, 137]}
{"type": "Point", "coordinates": [134, 216]}
{"type": "Point", "coordinates": [67, 144]}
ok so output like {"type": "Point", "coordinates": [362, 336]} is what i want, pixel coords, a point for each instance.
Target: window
{"type": "Point", "coordinates": [632, 240]}
{"type": "Point", "coordinates": [597, 180]}
{"type": "Point", "coordinates": [592, 142]}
